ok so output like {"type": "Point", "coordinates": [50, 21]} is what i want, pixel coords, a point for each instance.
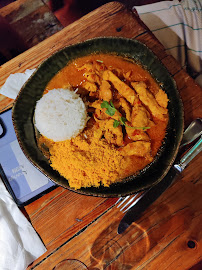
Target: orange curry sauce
{"type": "Point", "coordinates": [70, 75]}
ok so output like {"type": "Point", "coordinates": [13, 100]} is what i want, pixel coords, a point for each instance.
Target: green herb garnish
{"type": "Point", "coordinates": [116, 123]}
{"type": "Point", "coordinates": [123, 120]}
{"type": "Point", "coordinates": [110, 110]}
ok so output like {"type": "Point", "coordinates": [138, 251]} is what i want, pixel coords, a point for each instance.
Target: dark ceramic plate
{"type": "Point", "coordinates": [32, 91]}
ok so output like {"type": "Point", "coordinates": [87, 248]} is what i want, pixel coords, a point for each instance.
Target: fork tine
{"type": "Point", "coordinates": [132, 204]}
{"type": "Point", "coordinates": [119, 200]}
{"type": "Point", "coordinates": [125, 199]}
{"type": "Point", "coordinates": [131, 199]}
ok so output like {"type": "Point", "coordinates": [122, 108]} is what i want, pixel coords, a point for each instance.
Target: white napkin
{"type": "Point", "coordinates": [14, 83]}
{"type": "Point", "coordinates": [19, 243]}
{"type": "Point", "coordinates": [178, 26]}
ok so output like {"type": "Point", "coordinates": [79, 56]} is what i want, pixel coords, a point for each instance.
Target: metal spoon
{"type": "Point", "coordinates": [192, 132]}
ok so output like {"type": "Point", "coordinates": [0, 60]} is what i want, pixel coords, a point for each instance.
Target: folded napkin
{"type": "Point", "coordinates": [14, 83]}
{"type": "Point", "coordinates": [178, 26]}
{"type": "Point", "coordinates": [20, 245]}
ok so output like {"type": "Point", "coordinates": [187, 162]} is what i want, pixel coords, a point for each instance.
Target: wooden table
{"type": "Point", "coordinates": [74, 226]}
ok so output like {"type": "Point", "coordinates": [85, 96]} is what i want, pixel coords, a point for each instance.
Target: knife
{"type": "Point", "coordinates": [148, 197]}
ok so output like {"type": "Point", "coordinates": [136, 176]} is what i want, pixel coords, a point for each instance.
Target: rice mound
{"type": "Point", "coordinates": [60, 115]}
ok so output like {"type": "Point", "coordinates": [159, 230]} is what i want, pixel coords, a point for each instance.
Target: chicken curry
{"type": "Point", "coordinates": [127, 123]}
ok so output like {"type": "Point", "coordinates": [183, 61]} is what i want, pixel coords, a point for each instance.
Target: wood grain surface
{"type": "Point", "coordinates": [32, 20]}
{"type": "Point", "coordinates": [74, 226]}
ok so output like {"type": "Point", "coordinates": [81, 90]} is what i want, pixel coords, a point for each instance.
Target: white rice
{"type": "Point", "coordinates": [60, 115]}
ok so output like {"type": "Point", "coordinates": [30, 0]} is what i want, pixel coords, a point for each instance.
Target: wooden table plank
{"type": "Point", "coordinates": [118, 23]}
{"type": "Point", "coordinates": [85, 228]}
{"type": "Point", "coordinates": [166, 226]}
{"type": "Point", "coordinates": [73, 217]}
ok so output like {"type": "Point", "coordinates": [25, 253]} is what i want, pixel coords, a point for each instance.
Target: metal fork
{"type": "Point", "coordinates": [129, 201]}
{"type": "Point", "coordinates": [192, 132]}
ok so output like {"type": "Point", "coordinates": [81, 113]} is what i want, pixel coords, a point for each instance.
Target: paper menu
{"type": "Point", "coordinates": [23, 178]}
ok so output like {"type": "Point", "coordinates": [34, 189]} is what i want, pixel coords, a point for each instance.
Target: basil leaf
{"type": "Point", "coordinates": [112, 105]}
{"type": "Point", "coordinates": [116, 123]}
{"type": "Point", "coordinates": [110, 109]}
{"type": "Point", "coordinates": [104, 104]}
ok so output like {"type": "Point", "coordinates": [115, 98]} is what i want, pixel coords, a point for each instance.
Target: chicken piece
{"type": "Point", "coordinates": [100, 115]}
{"type": "Point", "coordinates": [92, 77]}
{"type": "Point", "coordinates": [137, 134]}
{"type": "Point", "coordinates": [127, 108]}
{"type": "Point", "coordinates": [97, 104]}
{"type": "Point", "coordinates": [94, 129]}
{"type": "Point", "coordinates": [99, 66]}
{"type": "Point", "coordinates": [139, 116]}
{"type": "Point", "coordinates": [105, 92]}
{"type": "Point", "coordinates": [162, 98]}
{"type": "Point", "coordinates": [93, 66]}
{"type": "Point", "coordinates": [120, 86]}
{"type": "Point", "coordinates": [138, 148]}
{"type": "Point", "coordinates": [94, 95]}
{"type": "Point", "coordinates": [117, 72]}
{"type": "Point", "coordinates": [98, 133]}
{"type": "Point", "coordinates": [127, 75]}
{"type": "Point", "coordinates": [99, 129]}
{"type": "Point", "coordinates": [113, 135]}
{"type": "Point", "coordinates": [148, 99]}
{"type": "Point", "coordinates": [88, 67]}
{"type": "Point", "coordinates": [90, 86]}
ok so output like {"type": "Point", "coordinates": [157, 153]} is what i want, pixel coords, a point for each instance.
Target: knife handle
{"type": "Point", "coordinates": [194, 151]}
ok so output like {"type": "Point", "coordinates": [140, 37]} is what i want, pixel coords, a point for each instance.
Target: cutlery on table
{"type": "Point", "coordinates": [146, 198]}
{"type": "Point", "coordinates": [191, 133]}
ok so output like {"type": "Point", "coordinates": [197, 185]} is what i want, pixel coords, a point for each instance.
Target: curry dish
{"type": "Point", "coordinates": [127, 123]}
